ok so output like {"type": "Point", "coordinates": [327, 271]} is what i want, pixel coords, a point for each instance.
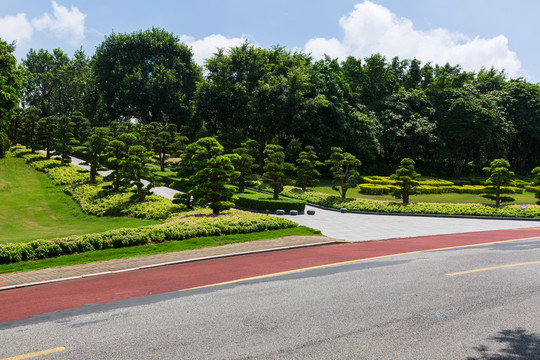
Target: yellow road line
{"type": "Point", "coordinates": [493, 268]}
{"type": "Point", "coordinates": [36, 354]}
{"type": "Point", "coordinates": [348, 262]}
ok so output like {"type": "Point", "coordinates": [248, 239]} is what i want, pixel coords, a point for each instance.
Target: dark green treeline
{"type": "Point", "coordinates": [450, 121]}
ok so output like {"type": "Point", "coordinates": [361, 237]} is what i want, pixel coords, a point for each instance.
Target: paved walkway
{"type": "Point", "coordinates": [359, 227]}
{"type": "Point", "coordinates": [164, 191]}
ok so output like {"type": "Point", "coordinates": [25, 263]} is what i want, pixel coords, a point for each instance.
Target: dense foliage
{"type": "Point", "coordinates": [449, 121]}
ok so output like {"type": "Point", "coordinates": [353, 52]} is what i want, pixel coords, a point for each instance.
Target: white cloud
{"type": "Point", "coordinates": [15, 28]}
{"type": "Point", "coordinates": [205, 48]}
{"type": "Point", "coordinates": [372, 28]}
{"type": "Point", "coordinates": [66, 24]}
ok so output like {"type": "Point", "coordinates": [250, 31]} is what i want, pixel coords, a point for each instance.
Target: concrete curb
{"type": "Point", "coordinates": [17, 286]}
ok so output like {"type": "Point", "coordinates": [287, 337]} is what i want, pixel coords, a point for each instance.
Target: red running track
{"type": "Point", "coordinates": [24, 302]}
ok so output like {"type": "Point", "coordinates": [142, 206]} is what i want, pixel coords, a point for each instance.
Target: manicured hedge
{"type": "Point", "coordinates": [378, 189]}
{"type": "Point", "coordinates": [99, 201]}
{"type": "Point", "coordinates": [188, 225]}
{"type": "Point", "coordinates": [532, 211]}
{"type": "Point", "coordinates": [59, 175]}
{"type": "Point", "coordinates": [265, 202]}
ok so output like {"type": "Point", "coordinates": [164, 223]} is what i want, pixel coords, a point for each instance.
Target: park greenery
{"type": "Point", "coordinates": [451, 122]}
{"type": "Point", "coordinates": [141, 108]}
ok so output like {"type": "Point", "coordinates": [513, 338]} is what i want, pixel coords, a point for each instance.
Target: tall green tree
{"type": "Point", "coordinates": [306, 170]}
{"type": "Point", "coordinates": [499, 176]}
{"type": "Point", "coordinates": [245, 164]}
{"type": "Point", "coordinates": [344, 174]}
{"type": "Point", "coordinates": [146, 75]}
{"type": "Point", "coordinates": [44, 81]}
{"type": "Point", "coordinates": [10, 87]}
{"type": "Point", "coordinates": [536, 182]}
{"type": "Point", "coordinates": [46, 132]}
{"type": "Point", "coordinates": [64, 139]}
{"type": "Point", "coordinates": [134, 167]}
{"type": "Point", "coordinates": [467, 122]}
{"type": "Point", "coordinates": [406, 177]}
{"type": "Point", "coordinates": [261, 94]}
{"type": "Point", "coordinates": [94, 150]}
{"type": "Point", "coordinates": [215, 170]}
{"type": "Point", "coordinates": [30, 119]}
{"type": "Point", "coordinates": [275, 169]}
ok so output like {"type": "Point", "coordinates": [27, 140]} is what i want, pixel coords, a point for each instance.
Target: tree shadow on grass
{"type": "Point", "coordinates": [519, 345]}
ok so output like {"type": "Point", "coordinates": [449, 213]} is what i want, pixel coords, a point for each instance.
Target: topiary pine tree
{"type": "Point", "coordinates": [500, 175]}
{"type": "Point", "coordinates": [536, 182]}
{"type": "Point", "coordinates": [406, 176]}
{"type": "Point", "coordinates": [343, 166]}
{"type": "Point", "coordinates": [45, 132]}
{"type": "Point", "coordinates": [30, 118]}
{"type": "Point", "coordinates": [134, 167]}
{"type": "Point", "coordinates": [245, 164]}
{"type": "Point", "coordinates": [94, 150]}
{"type": "Point", "coordinates": [275, 169]}
{"type": "Point", "coordinates": [194, 159]}
{"type": "Point", "coordinates": [64, 139]}
{"type": "Point", "coordinates": [211, 183]}
{"type": "Point", "coordinates": [306, 170]}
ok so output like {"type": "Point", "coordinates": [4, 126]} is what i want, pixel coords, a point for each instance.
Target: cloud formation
{"type": "Point", "coordinates": [205, 48]}
{"type": "Point", "coordinates": [371, 28]}
{"type": "Point", "coordinates": [66, 24]}
{"type": "Point", "coordinates": [15, 28]}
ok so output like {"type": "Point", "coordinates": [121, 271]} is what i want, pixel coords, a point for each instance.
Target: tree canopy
{"type": "Point", "coordinates": [148, 75]}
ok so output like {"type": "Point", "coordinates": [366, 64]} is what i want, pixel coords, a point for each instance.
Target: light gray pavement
{"type": "Point", "coordinates": [164, 191]}
{"type": "Point", "coordinates": [360, 227]}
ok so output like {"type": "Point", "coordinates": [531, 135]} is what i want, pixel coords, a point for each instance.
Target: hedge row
{"type": "Point", "coordinates": [265, 202]}
{"type": "Point", "coordinates": [377, 189]}
{"type": "Point", "coordinates": [59, 175]}
{"type": "Point", "coordinates": [385, 180]}
{"type": "Point", "coordinates": [187, 226]}
{"type": "Point", "coordinates": [98, 200]}
{"type": "Point", "coordinates": [532, 211]}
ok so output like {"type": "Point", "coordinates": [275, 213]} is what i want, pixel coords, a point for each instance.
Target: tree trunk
{"type": "Point", "coordinates": [162, 161]}
{"type": "Point", "coordinates": [93, 172]}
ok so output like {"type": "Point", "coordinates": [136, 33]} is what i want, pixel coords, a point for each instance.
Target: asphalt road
{"type": "Point", "coordinates": [425, 305]}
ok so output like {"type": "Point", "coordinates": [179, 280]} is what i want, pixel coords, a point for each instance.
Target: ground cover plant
{"type": "Point", "coordinates": [368, 205]}
{"type": "Point", "coordinates": [188, 225]}
{"type": "Point", "coordinates": [31, 206]}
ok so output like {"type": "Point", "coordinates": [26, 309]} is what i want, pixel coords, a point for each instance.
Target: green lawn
{"type": "Point", "coordinates": [32, 207]}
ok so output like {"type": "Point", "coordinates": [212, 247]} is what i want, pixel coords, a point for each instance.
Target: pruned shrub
{"type": "Point", "coordinates": [266, 202]}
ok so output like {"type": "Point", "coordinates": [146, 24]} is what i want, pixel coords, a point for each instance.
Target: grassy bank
{"type": "Point", "coordinates": [32, 207]}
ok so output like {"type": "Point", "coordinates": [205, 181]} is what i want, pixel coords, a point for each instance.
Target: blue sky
{"type": "Point", "coordinates": [473, 33]}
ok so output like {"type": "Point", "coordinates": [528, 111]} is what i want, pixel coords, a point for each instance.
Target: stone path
{"type": "Point", "coordinates": [360, 227]}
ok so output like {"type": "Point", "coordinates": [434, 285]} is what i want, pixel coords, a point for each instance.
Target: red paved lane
{"type": "Point", "coordinates": [24, 302]}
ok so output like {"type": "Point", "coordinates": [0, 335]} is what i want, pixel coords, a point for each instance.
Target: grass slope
{"type": "Point", "coordinates": [32, 207]}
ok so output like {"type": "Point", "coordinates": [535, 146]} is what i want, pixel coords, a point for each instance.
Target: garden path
{"type": "Point", "coordinates": [366, 227]}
